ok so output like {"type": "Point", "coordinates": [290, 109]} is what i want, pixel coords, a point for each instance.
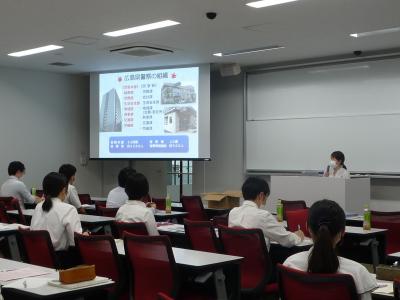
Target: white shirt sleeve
{"type": "Point", "coordinates": [25, 195]}
{"type": "Point", "coordinates": [72, 224]}
{"type": "Point", "coordinates": [151, 224]}
{"type": "Point", "coordinates": [276, 232]}
{"type": "Point", "coordinates": [73, 197]}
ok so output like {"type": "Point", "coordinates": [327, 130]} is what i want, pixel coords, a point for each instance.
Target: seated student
{"type": "Point", "coordinates": [117, 196]}
{"type": "Point", "coordinates": [72, 198]}
{"type": "Point", "coordinates": [250, 215]}
{"type": "Point", "coordinates": [60, 219]}
{"type": "Point", "coordinates": [326, 223]}
{"type": "Point", "coordinates": [14, 187]}
{"type": "Point", "coordinates": [135, 210]}
{"type": "Point", "coordinates": [336, 167]}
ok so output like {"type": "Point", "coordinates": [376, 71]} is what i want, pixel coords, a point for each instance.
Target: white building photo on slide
{"type": "Point", "coordinates": [180, 119]}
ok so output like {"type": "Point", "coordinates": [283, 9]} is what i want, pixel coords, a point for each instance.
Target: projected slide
{"type": "Point", "coordinates": [149, 114]}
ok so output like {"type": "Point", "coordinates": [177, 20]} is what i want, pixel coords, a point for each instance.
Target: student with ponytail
{"type": "Point", "coordinates": [60, 219]}
{"type": "Point", "coordinates": [336, 167]}
{"type": "Point", "coordinates": [326, 224]}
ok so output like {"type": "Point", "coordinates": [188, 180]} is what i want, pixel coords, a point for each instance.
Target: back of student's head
{"type": "Point", "coordinates": [137, 186]}
{"type": "Point", "coordinates": [14, 167]}
{"type": "Point", "coordinates": [326, 221]}
{"type": "Point", "coordinates": [123, 176]}
{"type": "Point", "coordinates": [53, 184]}
{"type": "Point", "coordinates": [253, 186]}
{"type": "Point", "coordinates": [67, 170]}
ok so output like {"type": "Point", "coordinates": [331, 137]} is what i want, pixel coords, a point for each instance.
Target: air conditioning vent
{"type": "Point", "coordinates": [141, 51]}
{"type": "Point", "coordinates": [60, 64]}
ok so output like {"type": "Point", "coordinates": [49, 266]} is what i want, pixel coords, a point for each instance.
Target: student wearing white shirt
{"type": "Point", "coordinates": [251, 215]}
{"type": "Point", "coordinates": [336, 167]}
{"type": "Point", "coordinates": [135, 210]}
{"type": "Point", "coordinates": [69, 171]}
{"type": "Point", "coordinates": [14, 187]}
{"type": "Point", "coordinates": [326, 224]}
{"type": "Point", "coordinates": [60, 219]}
{"type": "Point", "coordinates": [117, 196]}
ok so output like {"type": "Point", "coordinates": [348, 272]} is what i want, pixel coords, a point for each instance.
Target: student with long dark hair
{"type": "Point", "coordinates": [60, 219]}
{"type": "Point", "coordinates": [69, 171]}
{"type": "Point", "coordinates": [336, 167]}
{"type": "Point", "coordinates": [326, 224]}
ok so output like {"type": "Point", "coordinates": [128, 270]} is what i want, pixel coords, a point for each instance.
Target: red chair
{"type": "Point", "coordinates": [297, 218]}
{"type": "Point", "coordinates": [162, 296]}
{"type": "Point", "coordinates": [194, 207]}
{"type": "Point", "coordinates": [201, 235]}
{"type": "Point", "coordinates": [39, 193]}
{"type": "Point", "coordinates": [220, 220]}
{"type": "Point", "coordinates": [392, 235]}
{"type": "Point", "coordinates": [298, 285]}
{"type": "Point", "coordinates": [138, 228]}
{"type": "Point", "coordinates": [3, 214]}
{"type": "Point", "coordinates": [160, 203]}
{"type": "Point", "coordinates": [37, 248]}
{"type": "Point", "coordinates": [107, 211]}
{"type": "Point", "coordinates": [101, 251]}
{"type": "Point", "coordinates": [11, 203]}
{"type": "Point", "coordinates": [153, 266]}
{"type": "Point", "coordinates": [85, 198]}
{"type": "Point", "coordinates": [289, 205]}
{"type": "Point", "coordinates": [256, 266]}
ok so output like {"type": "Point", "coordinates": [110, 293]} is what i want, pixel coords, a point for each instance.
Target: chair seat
{"type": "Point", "coordinates": [194, 295]}
{"type": "Point", "coordinates": [271, 289]}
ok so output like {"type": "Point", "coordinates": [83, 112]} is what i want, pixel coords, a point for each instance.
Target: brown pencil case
{"type": "Point", "coordinates": [78, 274]}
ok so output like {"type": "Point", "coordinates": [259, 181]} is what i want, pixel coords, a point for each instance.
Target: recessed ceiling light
{"type": "Point", "coordinates": [376, 32]}
{"type": "Point", "coordinates": [35, 50]}
{"type": "Point", "coordinates": [265, 3]}
{"type": "Point", "coordinates": [248, 51]}
{"type": "Point", "coordinates": [142, 28]}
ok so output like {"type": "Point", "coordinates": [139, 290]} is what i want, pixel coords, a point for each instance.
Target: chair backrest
{"type": "Point", "coordinates": [194, 207]}
{"type": "Point", "coordinates": [138, 228]}
{"type": "Point", "coordinates": [289, 205]}
{"type": "Point", "coordinates": [162, 296]}
{"type": "Point", "coordinates": [298, 285]}
{"type": "Point", "coordinates": [39, 193]}
{"type": "Point", "coordinates": [11, 203]}
{"type": "Point", "coordinates": [101, 251]}
{"type": "Point", "coordinates": [297, 218]}
{"type": "Point", "coordinates": [3, 214]}
{"type": "Point", "coordinates": [107, 211]}
{"type": "Point", "coordinates": [220, 220]}
{"type": "Point", "coordinates": [37, 248]}
{"type": "Point", "coordinates": [396, 288]}
{"type": "Point", "coordinates": [160, 203]}
{"type": "Point", "coordinates": [85, 198]}
{"type": "Point", "coordinates": [201, 235]}
{"type": "Point", "coordinates": [256, 265]}
{"type": "Point", "coordinates": [392, 234]}
{"type": "Point", "coordinates": [153, 265]}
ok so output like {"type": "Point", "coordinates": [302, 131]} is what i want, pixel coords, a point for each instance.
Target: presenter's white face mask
{"type": "Point", "coordinates": [332, 164]}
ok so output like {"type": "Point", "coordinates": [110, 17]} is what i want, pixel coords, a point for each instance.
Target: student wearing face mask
{"type": "Point", "coordinates": [252, 215]}
{"type": "Point", "coordinates": [336, 167]}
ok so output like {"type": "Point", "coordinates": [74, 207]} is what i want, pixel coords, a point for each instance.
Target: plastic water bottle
{"type": "Point", "coordinates": [33, 191]}
{"type": "Point", "coordinates": [367, 218]}
{"type": "Point", "coordinates": [279, 211]}
{"type": "Point", "coordinates": [168, 204]}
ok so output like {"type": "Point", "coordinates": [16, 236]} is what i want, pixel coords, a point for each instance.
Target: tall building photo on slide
{"type": "Point", "coordinates": [110, 112]}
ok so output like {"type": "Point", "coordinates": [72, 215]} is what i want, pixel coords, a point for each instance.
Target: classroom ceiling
{"type": "Point", "coordinates": [306, 28]}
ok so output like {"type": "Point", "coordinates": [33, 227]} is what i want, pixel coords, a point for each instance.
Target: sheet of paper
{"type": "Point", "coordinates": [22, 273]}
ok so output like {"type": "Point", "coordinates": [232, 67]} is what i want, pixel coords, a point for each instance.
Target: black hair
{"type": "Point", "coordinates": [137, 186]}
{"type": "Point", "coordinates": [326, 219]}
{"type": "Point", "coordinates": [67, 170]}
{"type": "Point", "coordinates": [123, 176]}
{"type": "Point", "coordinates": [253, 186]}
{"type": "Point", "coordinates": [14, 167]}
{"type": "Point", "coordinates": [53, 184]}
{"type": "Point", "coordinates": [339, 155]}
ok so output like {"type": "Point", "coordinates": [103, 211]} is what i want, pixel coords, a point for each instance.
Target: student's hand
{"type": "Point", "coordinates": [81, 210]}
{"type": "Point", "coordinates": [38, 199]}
{"type": "Point", "coordinates": [151, 204]}
{"type": "Point", "coordinates": [300, 234]}
{"type": "Point", "coordinates": [87, 233]}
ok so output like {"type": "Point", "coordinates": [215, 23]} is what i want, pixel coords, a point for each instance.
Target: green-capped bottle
{"type": "Point", "coordinates": [168, 204]}
{"type": "Point", "coordinates": [367, 218]}
{"type": "Point", "coordinates": [279, 211]}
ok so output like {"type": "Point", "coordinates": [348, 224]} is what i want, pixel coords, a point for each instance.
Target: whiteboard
{"type": "Point", "coordinates": [295, 119]}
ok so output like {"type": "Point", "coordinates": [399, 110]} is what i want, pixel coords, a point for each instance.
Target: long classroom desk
{"type": "Point", "coordinates": [37, 287]}
{"type": "Point", "coordinates": [199, 262]}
